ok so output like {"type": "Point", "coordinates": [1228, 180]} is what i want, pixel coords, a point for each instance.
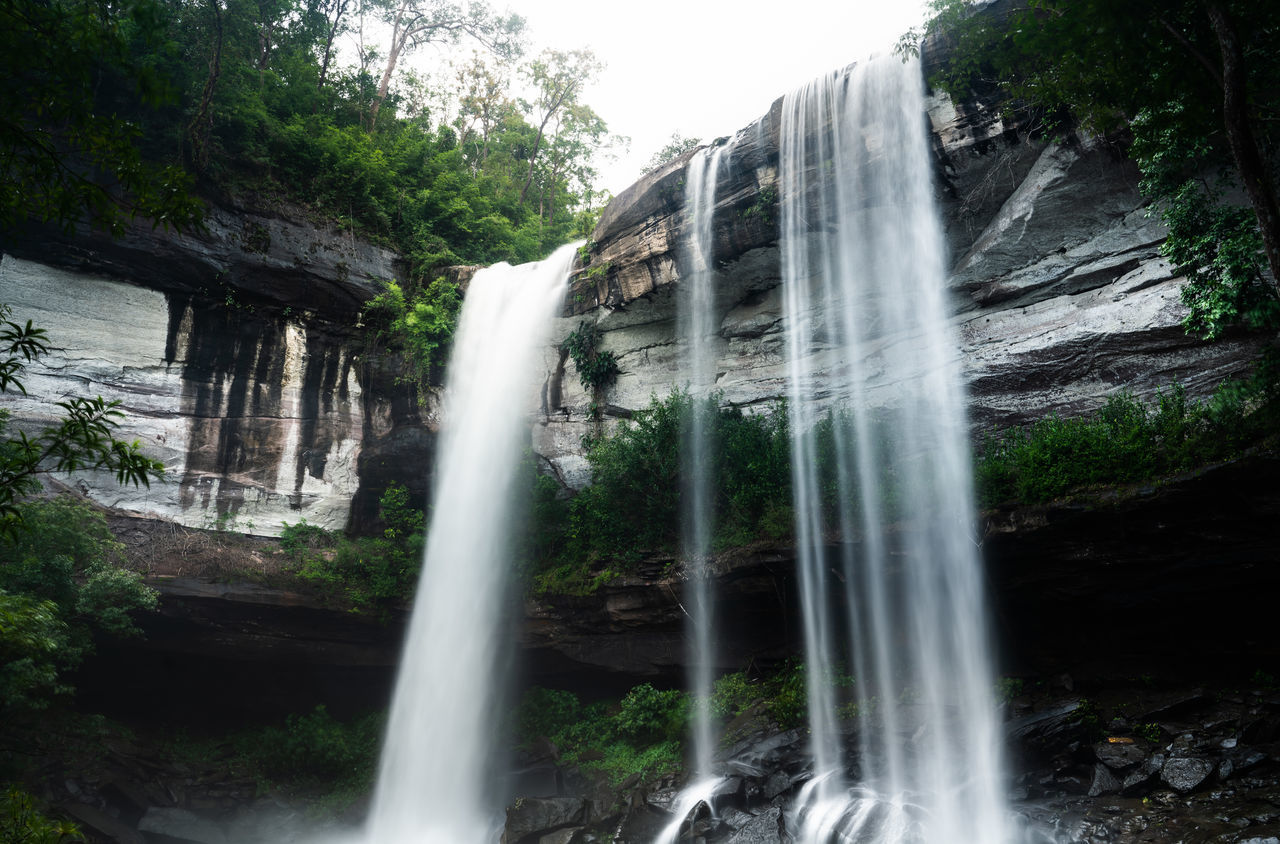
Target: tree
{"type": "Point", "coordinates": [483, 104]}
{"type": "Point", "coordinates": [415, 23]}
{"type": "Point", "coordinates": [66, 154]}
{"type": "Point", "coordinates": [558, 78]}
{"type": "Point", "coordinates": [674, 148]}
{"type": "Point", "coordinates": [1196, 82]}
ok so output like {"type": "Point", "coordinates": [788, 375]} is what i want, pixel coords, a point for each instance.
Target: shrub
{"type": "Point", "coordinates": [1127, 441]}
{"type": "Point", "coordinates": [22, 823]}
{"type": "Point", "coordinates": [316, 747]}
{"type": "Point", "coordinates": [372, 573]}
{"type": "Point", "coordinates": [640, 736]}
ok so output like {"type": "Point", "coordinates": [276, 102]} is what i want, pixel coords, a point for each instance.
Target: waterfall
{"type": "Point", "coordinates": [435, 782]}
{"type": "Point", "coordinates": [697, 324]}
{"type": "Point", "coordinates": [890, 578]}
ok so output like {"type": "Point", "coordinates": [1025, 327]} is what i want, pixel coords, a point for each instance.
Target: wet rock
{"type": "Point", "coordinates": [736, 818]}
{"type": "Point", "coordinates": [663, 799]}
{"type": "Point", "coordinates": [1184, 775]}
{"type": "Point", "coordinates": [562, 836]}
{"type": "Point", "coordinates": [1048, 728]}
{"type": "Point", "coordinates": [533, 817]}
{"type": "Point", "coordinates": [776, 784]}
{"type": "Point", "coordinates": [1119, 754]}
{"type": "Point", "coordinates": [182, 825]}
{"type": "Point", "coordinates": [92, 818]}
{"type": "Point", "coordinates": [765, 828]}
{"type": "Point", "coordinates": [1104, 782]}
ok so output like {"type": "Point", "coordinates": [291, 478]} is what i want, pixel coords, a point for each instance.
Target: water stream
{"type": "Point", "coordinates": [697, 323]}
{"type": "Point", "coordinates": [440, 759]}
{"type": "Point", "coordinates": [889, 575]}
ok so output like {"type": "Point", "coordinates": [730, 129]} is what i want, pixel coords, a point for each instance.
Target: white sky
{"type": "Point", "coordinates": [703, 68]}
{"type": "Point", "coordinates": [706, 68]}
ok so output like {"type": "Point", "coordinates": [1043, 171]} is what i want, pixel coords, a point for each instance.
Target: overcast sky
{"type": "Point", "coordinates": [703, 68]}
{"type": "Point", "coordinates": [706, 68]}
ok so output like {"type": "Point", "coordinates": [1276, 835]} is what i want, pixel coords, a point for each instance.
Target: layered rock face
{"type": "Point", "coordinates": [1061, 297]}
{"type": "Point", "coordinates": [234, 354]}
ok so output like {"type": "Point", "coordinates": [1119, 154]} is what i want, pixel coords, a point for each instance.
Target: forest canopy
{"type": "Point", "coordinates": [123, 109]}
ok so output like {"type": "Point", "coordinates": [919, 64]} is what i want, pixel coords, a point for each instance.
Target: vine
{"type": "Point", "coordinates": [597, 368]}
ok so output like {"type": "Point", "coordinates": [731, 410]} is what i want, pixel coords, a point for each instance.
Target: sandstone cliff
{"type": "Point", "coordinates": [235, 353]}
{"type": "Point", "coordinates": [1061, 297]}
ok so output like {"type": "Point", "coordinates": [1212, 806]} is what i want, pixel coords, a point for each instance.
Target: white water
{"type": "Point", "coordinates": [697, 323]}
{"type": "Point", "coordinates": [890, 579]}
{"type": "Point", "coordinates": [435, 783]}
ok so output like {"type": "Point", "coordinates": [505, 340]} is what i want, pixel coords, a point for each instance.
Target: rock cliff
{"type": "Point", "coordinates": [235, 353]}
{"type": "Point", "coordinates": [1061, 297]}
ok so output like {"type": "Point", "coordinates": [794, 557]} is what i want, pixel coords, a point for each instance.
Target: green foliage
{"type": "Point", "coordinates": [647, 715]}
{"type": "Point", "coordinates": [597, 368]}
{"type": "Point", "coordinates": [58, 585]}
{"type": "Point", "coordinates": [639, 736]}
{"type": "Point", "coordinates": [677, 146]}
{"type": "Point", "coordinates": [420, 324]}
{"type": "Point", "coordinates": [33, 641]}
{"type": "Point", "coordinates": [371, 573]}
{"type": "Point", "coordinates": [66, 153]}
{"type": "Point", "coordinates": [634, 501]}
{"type": "Point", "coordinates": [1151, 731]}
{"type": "Point", "coordinates": [765, 206]}
{"type": "Point", "coordinates": [314, 747]}
{"type": "Point", "coordinates": [22, 823]}
{"type": "Point", "coordinates": [1127, 441]}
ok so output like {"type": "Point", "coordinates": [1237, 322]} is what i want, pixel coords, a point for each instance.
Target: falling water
{"type": "Point", "coordinates": [889, 575]}
{"type": "Point", "coordinates": [697, 327]}
{"type": "Point", "coordinates": [438, 764]}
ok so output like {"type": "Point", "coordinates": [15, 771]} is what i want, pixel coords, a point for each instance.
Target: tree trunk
{"type": "Point", "coordinates": [202, 123]}
{"type": "Point", "coordinates": [533, 157]}
{"type": "Point", "coordinates": [398, 39]}
{"type": "Point", "coordinates": [1240, 135]}
{"type": "Point", "coordinates": [331, 35]}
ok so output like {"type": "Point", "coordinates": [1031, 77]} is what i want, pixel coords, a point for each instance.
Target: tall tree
{"type": "Point", "coordinates": [483, 103]}
{"type": "Point", "coordinates": [558, 79]}
{"type": "Point", "coordinates": [415, 23]}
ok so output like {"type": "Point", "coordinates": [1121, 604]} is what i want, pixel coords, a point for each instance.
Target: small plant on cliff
{"type": "Point", "coordinates": [420, 322]}
{"type": "Point", "coordinates": [597, 368]}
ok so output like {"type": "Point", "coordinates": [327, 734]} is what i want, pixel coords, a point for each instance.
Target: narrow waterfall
{"type": "Point", "coordinates": [889, 574]}
{"type": "Point", "coordinates": [435, 783]}
{"type": "Point", "coordinates": [698, 325]}
{"type": "Point", "coordinates": [696, 328]}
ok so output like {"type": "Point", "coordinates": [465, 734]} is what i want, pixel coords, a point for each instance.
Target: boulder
{"type": "Point", "coordinates": [765, 828]}
{"type": "Point", "coordinates": [1186, 774]}
{"type": "Point", "coordinates": [531, 818]}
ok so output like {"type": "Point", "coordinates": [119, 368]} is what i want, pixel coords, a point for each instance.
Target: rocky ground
{"type": "Point", "coordinates": [1135, 764]}
{"type": "Point", "coordinates": [1123, 764]}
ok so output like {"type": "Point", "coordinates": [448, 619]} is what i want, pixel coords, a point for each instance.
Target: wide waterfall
{"type": "Point", "coordinates": [439, 762]}
{"type": "Point", "coordinates": [889, 574]}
